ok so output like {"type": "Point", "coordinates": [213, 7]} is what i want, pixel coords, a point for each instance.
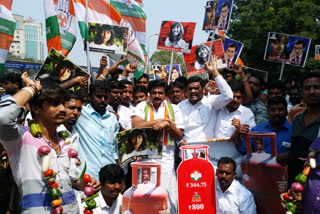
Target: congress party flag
{"type": "Point", "coordinates": [132, 11]}
{"type": "Point", "coordinates": [61, 25]}
{"type": "Point", "coordinates": [101, 12]}
{"type": "Point", "coordinates": [7, 27]}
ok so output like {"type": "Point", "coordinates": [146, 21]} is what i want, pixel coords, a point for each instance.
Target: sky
{"type": "Point", "coordinates": [156, 10]}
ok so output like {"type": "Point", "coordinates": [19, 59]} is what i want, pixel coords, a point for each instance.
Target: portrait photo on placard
{"type": "Point", "coordinates": [59, 68]}
{"type": "Point", "coordinates": [175, 72]}
{"type": "Point", "coordinates": [317, 52]}
{"type": "Point", "coordinates": [176, 36]}
{"type": "Point", "coordinates": [108, 38]}
{"type": "Point", "coordinates": [196, 60]}
{"type": "Point", "coordinates": [140, 143]}
{"type": "Point", "coordinates": [276, 48]}
{"type": "Point", "coordinates": [210, 15]}
{"type": "Point", "coordinates": [297, 50]}
{"type": "Point", "coordinates": [223, 14]}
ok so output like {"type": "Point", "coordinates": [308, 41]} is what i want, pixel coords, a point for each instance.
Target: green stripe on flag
{"type": "Point", "coordinates": [68, 40]}
{"type": "Point", "coordinates": [7, 27]}
{"type": "Point", "coordinates": [83, 30]}
{"type": "Point", "coordinates": [123, 9]}
{"type": "Point", "coordinates": [52, 27]}
{"type": "Point", "coordinates": [1, 69]}
{"type": "Point", "coordinates": [143, 47]}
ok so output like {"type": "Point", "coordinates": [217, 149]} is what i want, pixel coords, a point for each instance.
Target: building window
{"type": "Point", "coordinates": [18, 37]}
{"type": "Point", "coordinates": [18, 52]}
{"type": "Point", "coordinates": [12, 46]}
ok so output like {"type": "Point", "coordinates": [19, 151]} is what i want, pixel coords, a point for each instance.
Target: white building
{"type": "Point", "coordinates": [28, 39]}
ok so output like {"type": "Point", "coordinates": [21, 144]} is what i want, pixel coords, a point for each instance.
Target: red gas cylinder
{"type": "Point", "coordinates": [262, 175]}
{"type": "Point", "coordinates": [196, 186]}
{"type": "Point", "coordinates": [144, 197]}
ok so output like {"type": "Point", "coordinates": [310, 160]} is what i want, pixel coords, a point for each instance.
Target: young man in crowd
{"type": "Point", "coordinates": [234, 120]}
{"type": "Point", "coordinates": [276, 89]}
{"type": "Point", "coordinates": [142, 81]}
{"type": "Point", "coordinates": [305, 127]}
{"type": "Point", "coordinates": [278, 123]}
{"type": "Point", "coordinates": [116, 90]}
{"type": "Point", "coordinates": [109, 200]}
{"type": "Point", "coordinates": [125, 109]}
{"type": "Point", "coordinates": [97, 129]}
{"type": "Point", "coordinates": [259, 110]}
{"type": "Point", "coordinates": [140, 93]}
{"type": "Point", "coordinates": [11, 82]}
{"type": "Point", "coordinates": [200, 114]}
{"type": "Point", "coordinates": [231, 196]}
{"type": "Point", "coordinates": [176, 92]}
{"type": "Point", "coordinates": [22, 145]}
{"type": "Point", "coordinates": [165, 117]}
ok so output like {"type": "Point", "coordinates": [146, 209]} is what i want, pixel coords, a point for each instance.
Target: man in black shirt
{"type": "Point", "coordinates": [306, 126]}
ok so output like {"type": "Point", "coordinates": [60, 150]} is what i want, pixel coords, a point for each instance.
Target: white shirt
{"type": "Point", "coordinates": [125, 116]}
{"type": "Point", "coordinates": [103, 208]}
{"type": "Point", "coordinates": [167, 151]}
{"type": "Point", "coordinates": [224, 127]}
{"type": "Point", "coordinates": [200, 119]}
{"type": "Point", "coordinates": [236, 199]}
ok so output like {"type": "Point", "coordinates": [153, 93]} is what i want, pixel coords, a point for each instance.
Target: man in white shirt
{"type": "Point", "coordinates": [125, 108]}
{"type": "Point", "coordinates": [109, 200]}
{"type": "Point", "coordinates": [200, 113]}
{"type": "Point", "coordinates": [233, 120]}
{"type": "Point", "coordinates": [160, 114]}
{"type": "Point", "coordinates": [231, 196]}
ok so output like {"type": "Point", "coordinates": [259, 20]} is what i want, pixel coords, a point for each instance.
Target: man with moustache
{"type": "Point", "coordinates": [125, 108]}
{"type": "Point", "coordinates": [165, 117]}
{"type": "Point", "coordinates": [97, 129]}
{"type": "Point", "coordinates": [234, 120]}
{"type": "Point", "coordinates": [199, 112]}
{"type": "Point", "coordinates": [231, 196]}
{"type": "Point", "coordinates": [278, 123]}
{"type": "Point", "coordinates": [305, 127]}
{"type": "Point", "coordinates": [176, 92]}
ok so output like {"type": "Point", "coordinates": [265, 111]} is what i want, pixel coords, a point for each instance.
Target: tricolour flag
{"type": "Point", "coordinates": [100, 11]}
{"type": "Point", "coordinates": [132, 11]}
{"type": "Point", "coordinates": [7, 27]}
{"type": "Point", "coordinates": [61, 25]}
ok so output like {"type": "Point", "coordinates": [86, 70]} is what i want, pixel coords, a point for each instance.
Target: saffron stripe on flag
{"type": "Point", "coordinates": [5, 41]}
{"type": "Point", "coordinates": [138, 24]}
{"type": "Point", "coordinates": [7, 3]}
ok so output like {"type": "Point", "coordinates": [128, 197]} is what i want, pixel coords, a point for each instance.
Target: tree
{"type": "Point", "coordinates": [164, 57]}
{"type": "Point", "coordinates": [253, 19]}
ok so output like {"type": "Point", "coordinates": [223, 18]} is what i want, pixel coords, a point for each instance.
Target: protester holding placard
{"type": "Point", "coordinates": [160, 114]}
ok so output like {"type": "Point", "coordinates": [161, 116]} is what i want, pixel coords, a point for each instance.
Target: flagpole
{"type": "Point", "coordinates": [87, 41]}
{"type": "Point", "coordinates": [281, 72]}
{"type": "Point", "coordinates": [211, 45]}
{"type": "Point", "coordinates": [170, 68]}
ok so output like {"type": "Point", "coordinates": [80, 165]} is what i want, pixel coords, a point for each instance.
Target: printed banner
{"type": "Point", "coordinates": [231, 48]}
{"type": "Point", "coordinates": [317, 52]}
{"type": "Point", "coordinates": [138, 143]}
{"type": "Point", "coordinates": [58, 67]}
{"type": "Point", "coordinates": [176, 36]}
{"type": "Point", "coordinates": [195, 61]}
{"type": "Point", "coordinates": [161, 71]}
{"type": "Point", "coordinates": [289, 49]}
{"type": "Point", "coordinates": [108, 38]}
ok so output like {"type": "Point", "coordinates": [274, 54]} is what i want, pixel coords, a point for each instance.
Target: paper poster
{"type": "Point", "coordinates": [108, 38]}
{"type": "Point", "coordinates": [162, 71]}
{"type": "Point", "coordinates": [195, 61]}
{"type": "Point", "coordinates": [317, 52]}
{"type": "Point", "coordinates": [250, 71]}
{"type": "Point", "coordinates": [138, 143]}
{"type": "Point", "coordinates": [289, 49]}
{"type": "Point", "coordinates": [58, 67]}
{"type": "Point", "coordinates": [176, 36]}
{"type": "Point", "coordinates": [210, 15]}
{"type": "Point", "coordinates": [232, 49]}
{"type": "Point", "coordinates": [223, 14]}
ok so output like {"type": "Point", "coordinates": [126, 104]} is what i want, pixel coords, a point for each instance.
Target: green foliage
{"type": "Point", "coordinates": [253, 19]}
{"type": "Point", "coordinates": [163, 58]}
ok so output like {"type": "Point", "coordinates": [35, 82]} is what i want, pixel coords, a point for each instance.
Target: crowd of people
{"type": "Point", "coordinates": [228, 105]}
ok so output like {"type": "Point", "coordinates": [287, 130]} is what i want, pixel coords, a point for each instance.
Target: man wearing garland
{"type": "Point", "coordinates": [25, 145]}
{"type": "Point", "coordinates": [160, 114]}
